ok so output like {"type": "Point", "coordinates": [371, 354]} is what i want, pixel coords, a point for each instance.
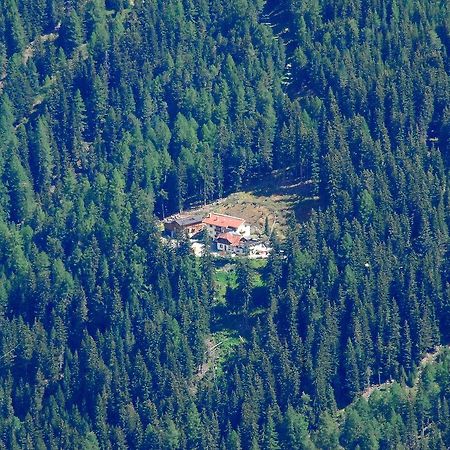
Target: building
{"type": "Point", "coordinates": [231, 243]}
{"type": "Point", "coordinates": [230, 235]}
{"type": "Point", "coordinates": [221, 223]}
{"type": "Point", "coordinates": [189, 225]}
{"type": "Point", "coordinates": [258, 250]}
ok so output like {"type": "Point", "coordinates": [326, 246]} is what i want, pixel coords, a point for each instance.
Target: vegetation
{"type": "Point", "coordinates": [116, 112]}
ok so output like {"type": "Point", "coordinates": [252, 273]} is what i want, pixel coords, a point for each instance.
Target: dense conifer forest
{"type": "Point", "coordinates": [116, 113]}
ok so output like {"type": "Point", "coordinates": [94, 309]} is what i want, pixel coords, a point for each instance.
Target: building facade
{"type": "Point", "coordinates": [189, 225]}
{"type": "Point", "coordinates": [232, 243]}
{"type": "Point", "coordinates": [221, 223]}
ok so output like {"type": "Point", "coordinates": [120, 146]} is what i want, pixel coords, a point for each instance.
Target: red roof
{"type": "Point", "coordinates": [230, 238]}
{"type": "Point", "coordinates": [223, 221]}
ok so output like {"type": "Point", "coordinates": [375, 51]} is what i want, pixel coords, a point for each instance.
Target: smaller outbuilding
{"type": "Point", "coordinates": [258, 250]}
{"type": "Point", "coordinates": [189, 225]}
{"type": "Point", "coordinates": [198, 248]}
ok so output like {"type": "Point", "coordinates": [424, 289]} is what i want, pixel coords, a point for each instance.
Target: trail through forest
{"type": "Point", "coordinates": [429, 358]}
{"type": "Point", "coordinates": [210, 357]}
{"type": "Point", "coordinates": [29, 50]}
{"type": "Point", "coordinates": [276, 17]}
{"type": "Point", "coordinates": [31, 47]}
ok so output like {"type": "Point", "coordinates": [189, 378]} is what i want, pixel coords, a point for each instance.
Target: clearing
{"type": "Point", "coordinates": [228, 329]}
{"type": "Point", "coordinates": [274, 198]}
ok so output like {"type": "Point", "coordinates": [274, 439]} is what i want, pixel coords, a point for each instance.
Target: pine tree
{"type": "Point", "coordinates": [244, 288]}
{"type": "Point", "coordinates": [71, 33]}
{"type": "Point", "coordinates": [295, 431]}
{"type": "Point", "coordinates": [15, 33]}
{"type": "Point", "coordinates": [193, 428]}
{"type": "Point", "coordinates": [20, 190]}
{"type": "Point", "coordinates": [43, 159]}
{"type": "Point", "coordinates": [78, 128]}
{"type": "Point", "coordinates": [270, 435]}
{"type": "Point", "coordinates": [352, 383]}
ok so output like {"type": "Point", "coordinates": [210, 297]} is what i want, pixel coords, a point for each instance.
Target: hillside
{"type": "Point", "coordinates": [423, 396]}
{"type": "Point", "coordinates": [330, 119]}
{"type": "Point", "coordinates": [276, 199]}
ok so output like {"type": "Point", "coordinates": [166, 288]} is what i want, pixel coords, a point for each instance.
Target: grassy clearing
{"type": "Point", "coordinates": [229, 340]}
{"type": "Point", "coordinates": [224, 277]}
{"type": "Point", "coordinates": [275, 198]}
{"type": "Point", "coordinates": [229, 329]}
{"type": "Point", "coordinates": [257, 264]}
{"type": "Point", "coordinates": [258, 280]}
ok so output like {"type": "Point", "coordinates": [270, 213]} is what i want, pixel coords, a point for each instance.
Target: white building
{"type": "Point", "coordinates": [221, 223]}
{"type": "Point", "coordinates": [232, 243]}
{"type": "Point", "coordinates": [258, 250]}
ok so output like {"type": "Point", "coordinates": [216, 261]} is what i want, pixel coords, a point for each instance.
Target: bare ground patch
{"type": "Point", "coordinates": [273, 198]}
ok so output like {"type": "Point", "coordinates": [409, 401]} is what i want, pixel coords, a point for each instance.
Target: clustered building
{"type": "Point", "coordinates": [230, 235]}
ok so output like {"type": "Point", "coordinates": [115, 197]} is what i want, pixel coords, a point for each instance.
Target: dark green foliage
{"type": "Point", "coordinates": [71, 33]}
{"type": "Point", "coordinates": [116, 112]}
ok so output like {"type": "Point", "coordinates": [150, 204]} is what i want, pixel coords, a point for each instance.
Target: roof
{"type": "Point", "coordinates": [185, 221]}
{"type": "Point", "coordinates": [224, 221]}
{"type": "Point", "coordinates": [229, 238]}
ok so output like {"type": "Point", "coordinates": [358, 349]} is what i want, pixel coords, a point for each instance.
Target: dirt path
{"type": "Point", "coordinates": [31, 47]}
{"type": "Point", "coordinates": [210, 356]}
{"type": "Point", "coordinates": [375, 387]}
{"type": "Point", "coordinates": [428, 358]}
{"type": "Point", "coordinates": [29, 50]}
{"type": "Point", "coordinates": [278, 18]}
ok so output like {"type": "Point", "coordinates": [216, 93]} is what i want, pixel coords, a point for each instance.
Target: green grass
{"type": "Point", "coordinates": [257, 264]}
{"type": "Point", "coordinates": [229, 328]}
{"type": "Point", "coordinates": [230, 339]}
{"type": "Point", "coordinates": [224, 277]}
{"type": "Point", "coordinates": [258, 280]}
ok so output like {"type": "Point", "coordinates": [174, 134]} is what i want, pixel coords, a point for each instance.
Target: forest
{"type": "Point", "coordinates": [116, 113]}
